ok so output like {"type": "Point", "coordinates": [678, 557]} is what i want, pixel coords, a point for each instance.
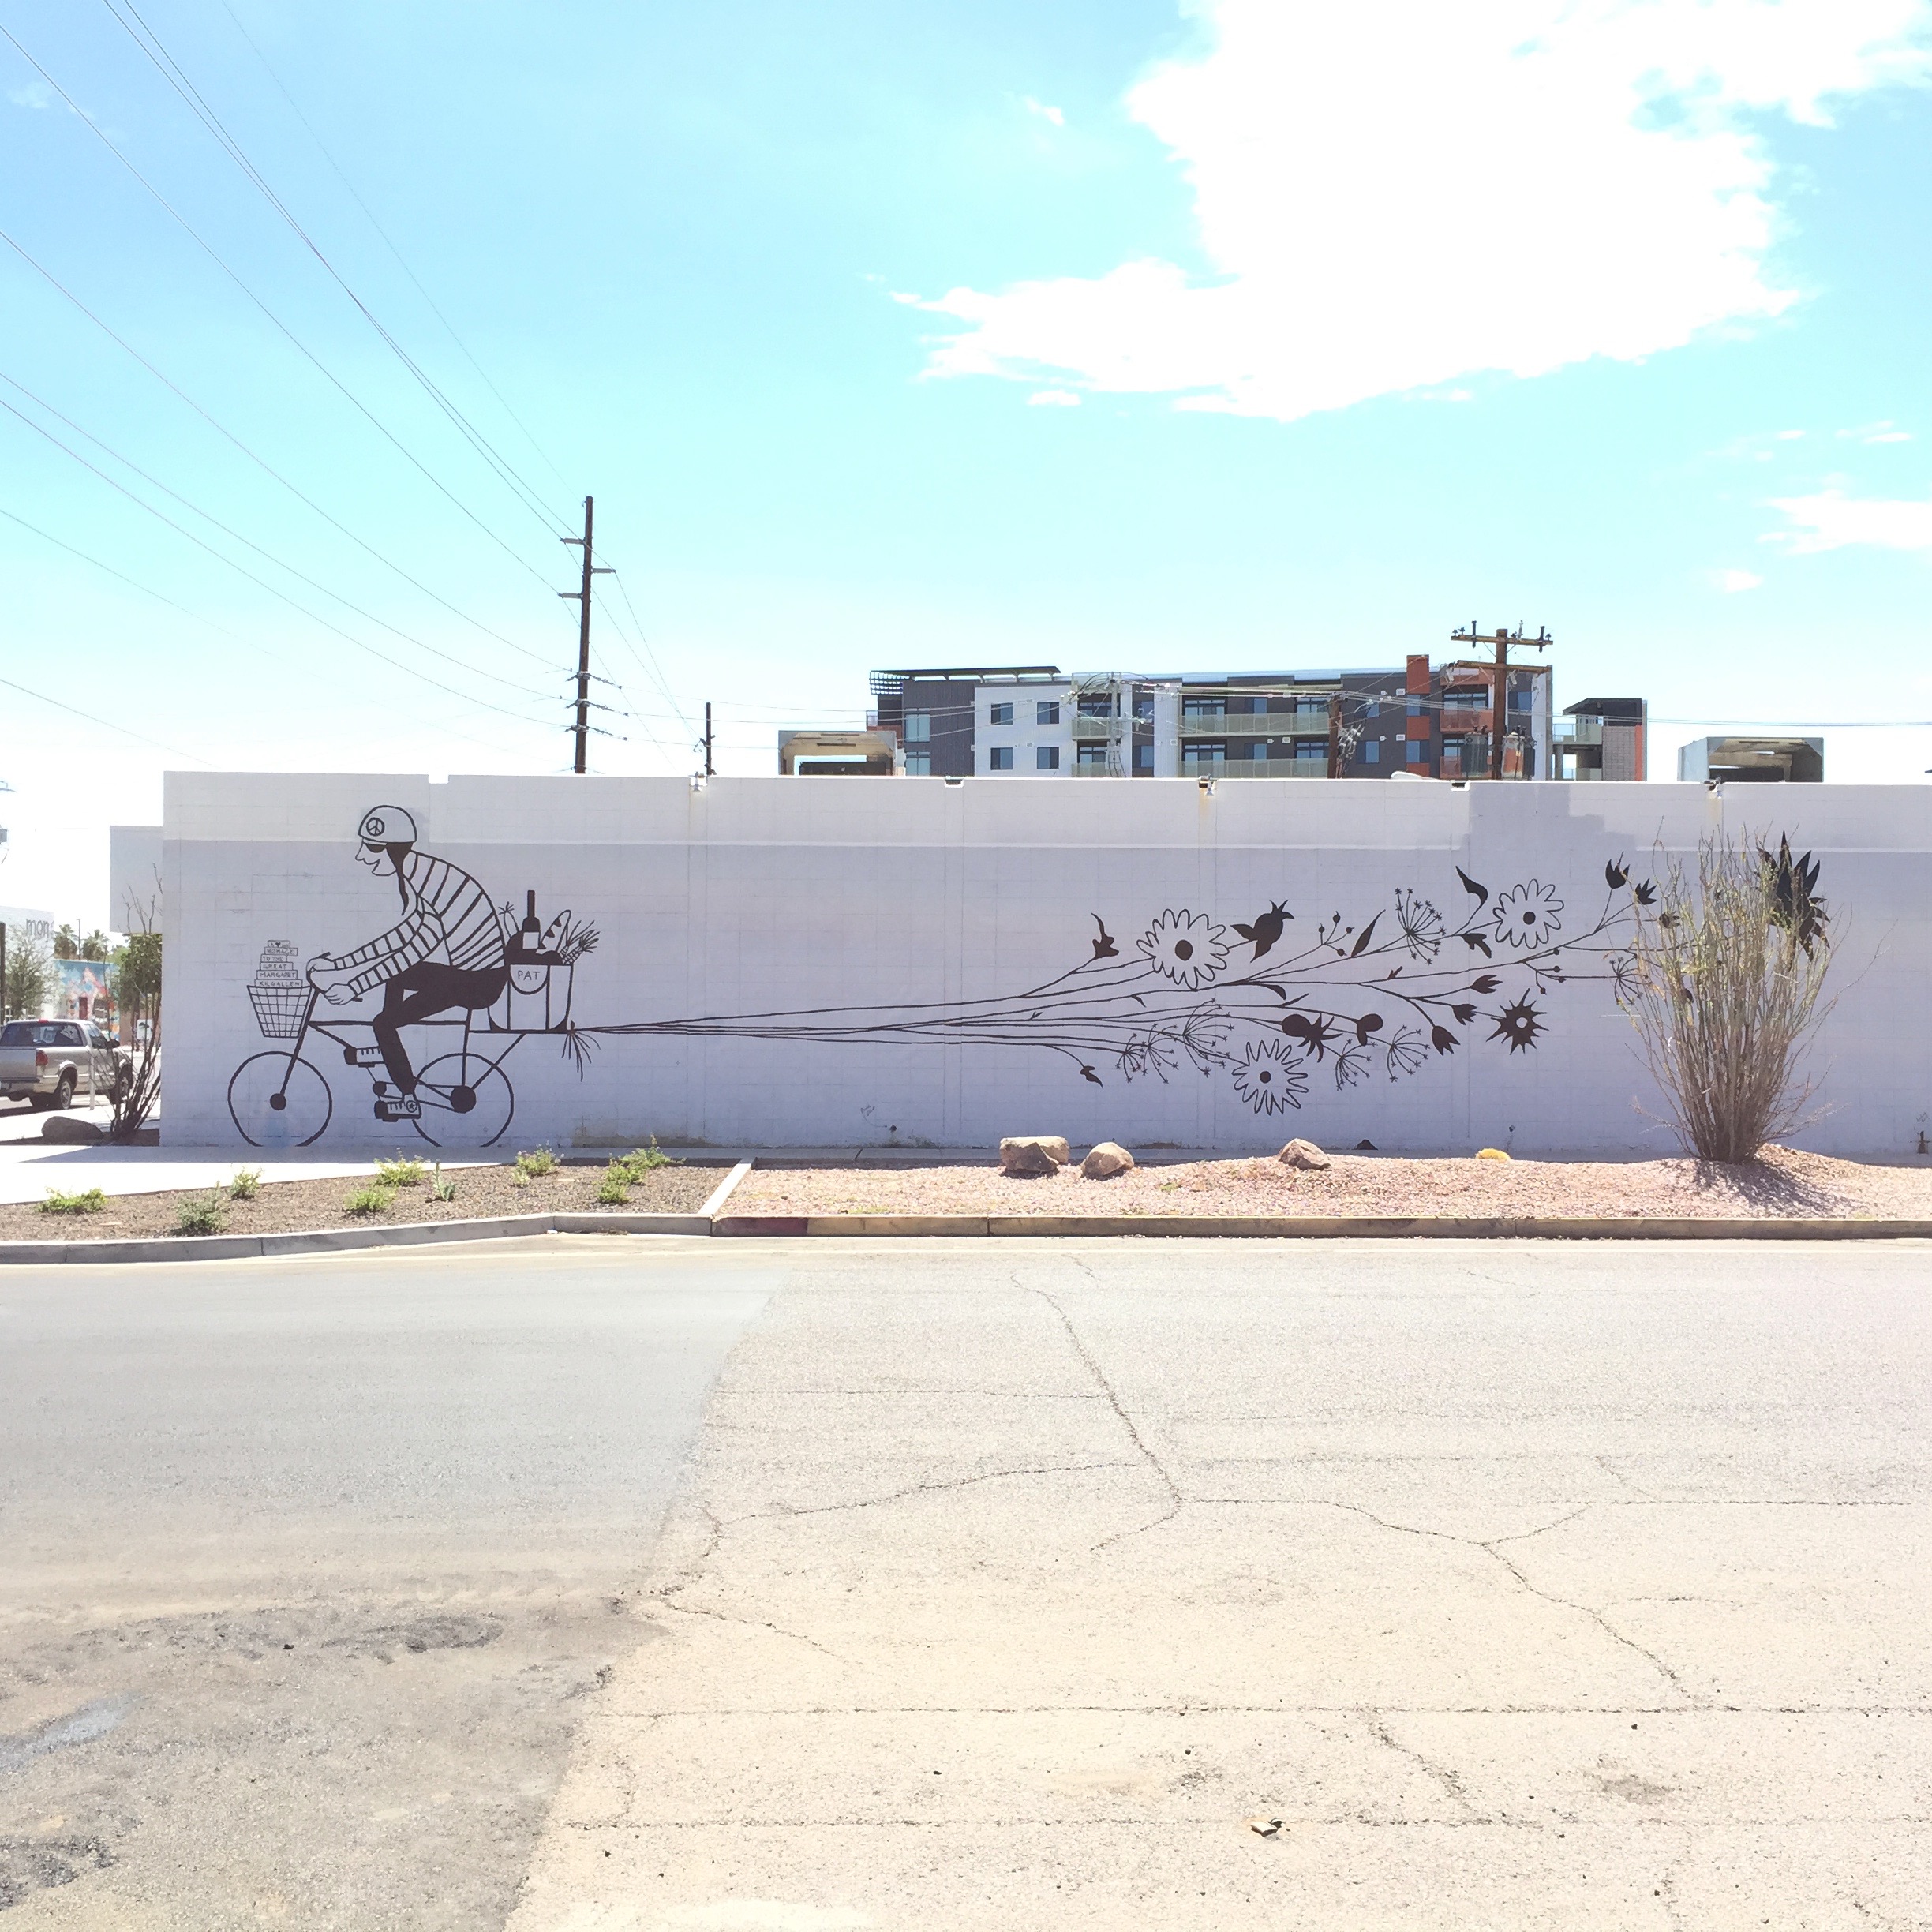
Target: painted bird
{"type": "Point", "coordinates": [1265, 930]}
{"type": "Point", "coordinates": [1104, 947]}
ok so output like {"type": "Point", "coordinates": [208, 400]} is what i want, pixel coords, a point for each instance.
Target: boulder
{"type": "Point", "coordinates": [1034, 1154]}
{"type": "Point", "coordinates": [1105, 1161]}
{"type": "Point", "coordinates": [1302, 1154]}
{"type": "Point", "coordinates": [1491, 1154]}
{"type": "Point", "coordinates": [72, 1129]}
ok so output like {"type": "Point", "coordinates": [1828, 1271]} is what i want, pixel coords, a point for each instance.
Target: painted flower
{"type": "Point", "coordinates": [1525, 916]}
{"type": "Point", "coordinates": [1269, 1078]}
{"type": "Point", "coordinates": [1186, 947]}
{"type": "Point", "coordinates": [1421, 925]}
{"type": "Point", "coordinates": [1519, 1023]}
{"type": "Point", "coordinates": [1406, 1050]}
{"type": "Point", "coordinates": [1626, 980]}
{"type": "Point", "coordinates": [1351, 1067]}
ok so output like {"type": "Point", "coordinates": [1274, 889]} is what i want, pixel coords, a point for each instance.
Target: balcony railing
{"type": "Point", "coordinates": [1089, 728]}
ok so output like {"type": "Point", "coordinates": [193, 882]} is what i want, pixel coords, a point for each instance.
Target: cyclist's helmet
{"type": "Point", "coordinates": [387, 825]}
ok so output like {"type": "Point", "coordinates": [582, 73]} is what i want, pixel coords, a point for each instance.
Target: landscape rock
{"type": "Point", "coordinates": [1302, 1154]}
{"type": "Point", "coordinates": [1106, 1160]}
{"type": "Point", "coordinates": [1034, 1154]}
{"type": "Point", "coordinates": [1492, 1154]}
{"type": "Point", "coordinates": [71, 1129]}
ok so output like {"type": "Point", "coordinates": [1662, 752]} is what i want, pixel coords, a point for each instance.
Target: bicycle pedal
{"type": "Point", "coordinates": [364, 1056]}
{"type": "Point", "coordinates": [404, 1106]}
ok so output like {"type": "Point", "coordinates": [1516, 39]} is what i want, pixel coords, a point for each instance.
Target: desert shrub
{"type": "Point", "coordinates": [373, 1198]}
{"type": "Point", "coordinates": [537, 1161]}
{"type": "Point", "coordinates": [641, 1161]}
{"type": "Point", "coordinates": [201, 1217]}
{"type": "Point", "coordinates": [90, 1201]}
{"type": "Point", "coordinates": [405, 1171]}
{"type": "Point", "coordinates": [1726, 989]}
{"type": "Point", "coordinates": [614, 1190]}
{"type": "Point", "coordinates": [441, 1187]}
{"type": "Point", "coordinates": [246, 1185]}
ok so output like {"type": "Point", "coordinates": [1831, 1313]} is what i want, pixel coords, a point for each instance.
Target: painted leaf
{"type": "Point", "coordinates": [1479, 893]}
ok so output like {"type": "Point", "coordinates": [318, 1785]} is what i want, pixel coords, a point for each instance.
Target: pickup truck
{"type": "Point", "coordinates": [48, 1061]}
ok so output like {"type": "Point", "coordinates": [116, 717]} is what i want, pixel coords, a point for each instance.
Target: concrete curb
{"type": "Point", "coordinates": [1326, 1227]}
{"type": "Point", "coordinates": [409, 1234]}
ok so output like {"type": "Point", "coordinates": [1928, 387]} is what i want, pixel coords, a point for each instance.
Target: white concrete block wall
{"type": "Point", "coordinates": [760, 907]}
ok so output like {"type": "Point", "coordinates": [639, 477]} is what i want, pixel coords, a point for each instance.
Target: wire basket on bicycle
{"type": "Point", "coordinates": [279, 1010]}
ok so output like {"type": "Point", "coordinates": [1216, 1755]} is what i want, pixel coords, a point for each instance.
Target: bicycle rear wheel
{"type": "Point", "coordinates": [274, 1103]}
{"type": "Point", "coordinates": [467, 1101]}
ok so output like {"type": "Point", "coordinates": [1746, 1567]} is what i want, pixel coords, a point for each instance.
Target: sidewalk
{"type": "Point", "coordinates": [1005, 1594]}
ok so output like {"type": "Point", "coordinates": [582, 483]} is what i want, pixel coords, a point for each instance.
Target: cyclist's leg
{"type": "Point", "coordinates": [419, 993]}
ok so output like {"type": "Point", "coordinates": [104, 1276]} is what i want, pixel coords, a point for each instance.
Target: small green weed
{"type": "Point", "coordinates": [373, 1199]}
{"type": "Point", "coordinates": [404, 1171]}
{"type": "Point", "coordinates": [92, 1201]}
{"type": "Point", "coordinates": [440, 1187]}
{"type": "Point", "coordinates": [537, 1161]}
{"type": "Point", "coordinates": [519, 1178]}
{"type": "Point", "coordinates": [246, 1185]}
{"type": "Point", "coordinates": [201, 1217]}
{"type": "Point", "coordinates": [615, 1190]}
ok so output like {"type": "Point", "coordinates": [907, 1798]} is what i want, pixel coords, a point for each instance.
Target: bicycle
{"type": "Point", "coordinates": [277, 1098]}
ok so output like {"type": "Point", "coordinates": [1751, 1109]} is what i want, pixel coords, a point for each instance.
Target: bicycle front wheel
{"type": "Point", "coordinates": [275, 1103]}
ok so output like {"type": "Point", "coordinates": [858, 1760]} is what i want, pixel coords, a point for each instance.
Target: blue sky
{"type": "Point", "coordinates": [1247, 335]}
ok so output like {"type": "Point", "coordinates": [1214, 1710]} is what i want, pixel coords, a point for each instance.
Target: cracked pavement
{"type": "Point", "coordinates": [1527, 1584]}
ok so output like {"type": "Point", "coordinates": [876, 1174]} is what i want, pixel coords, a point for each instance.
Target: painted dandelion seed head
{"type": "Point", "coordinates": [1421, 925]}
{"type": "Point", "coordinates": [1187, 947]}
{"type": "Point", "coordinates": [1270, 1078]}
{"type": "Point", "coordinates": [1526, 917]}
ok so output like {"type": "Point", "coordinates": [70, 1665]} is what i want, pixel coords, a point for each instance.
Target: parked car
{"type": "Point", "coordinates": [48, 1061]}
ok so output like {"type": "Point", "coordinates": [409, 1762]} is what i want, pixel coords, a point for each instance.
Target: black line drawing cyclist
{"type": "Point", "coordinates": [445, 953]}
{"type": "Point", "coordinates": [453, 961]}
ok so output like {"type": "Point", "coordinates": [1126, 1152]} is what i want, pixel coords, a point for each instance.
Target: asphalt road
{"type": "Point", "coordinates": [306, 1566]}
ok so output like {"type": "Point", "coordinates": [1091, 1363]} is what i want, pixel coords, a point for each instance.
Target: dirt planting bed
{"type": "Point", "coordinates": [1783, 1183]}
{"type": "Point", "coordinates": [283, 1207]}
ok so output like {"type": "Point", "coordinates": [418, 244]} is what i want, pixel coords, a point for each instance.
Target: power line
{"type": "Point", "coordinates": [308, 354]}
{"type": "Point", "coordinates": [171, 71]}
{"type": "Point", "coordinates": [106, 723]}
{"type": "Point", "coordinates": [261, 582]}
{"type": "Point", "coordinates": [261, 462]}
{"type": "Point", "coordinates": [227, 530]}
{"type": "Point", "coordinates": [295, 108]}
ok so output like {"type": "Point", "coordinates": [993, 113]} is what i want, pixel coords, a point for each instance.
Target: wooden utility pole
{"type": "Point", "coordinates": [583, 728]}
{"type": "Point", "coordinates": [1499, 682]}
{"type": "Point", "coordinates": [709, 772]}
{"type": "Point", "coordinates": [1334, 735]}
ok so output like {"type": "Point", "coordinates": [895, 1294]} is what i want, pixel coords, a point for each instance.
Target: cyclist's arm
{"type": "Point", "coordinates": [392, 953]}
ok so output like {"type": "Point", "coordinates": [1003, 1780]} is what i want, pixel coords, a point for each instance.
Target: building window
{"type": "Point", "coordinates": [1144, 757]}
{"type": "Point", "coordinates": [918, 764]}
{"type": "Point", "coordinates": [1000, 758]}
{"type": "Point", "coordinates": [1096, 707]}
{"type": "Point", "coordinates": [1520, 701]}
{"type": "Point", "coordinates": [1417, 752]}
{"type": "Point", "coordinates": [1048, 709]}
{"type": "Point", "coordinates": [1371, 753]}
{"type": "Point", "coordinates": [1144, 707]}
{"type": "Point", "coordinates": [919, 728]}
{"type": "Point", "coordinates": [1204, 707]}
{"type": "Point", "coordinates": [1258, 749]}
{"type": "Point", "coordinates": [1001, 714]}
{"type": "Point", "coordinates": [1374, 708]}
{"type": "Point", "coordinates": [1093, 755]}
{"type": "Point", "coordinates": [1415, 707]}
{"type": "Point", "coordinates": [1047, 757]}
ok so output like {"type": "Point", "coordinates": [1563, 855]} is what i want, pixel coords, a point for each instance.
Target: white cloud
{"type": "Point", "coordinates": [1052, 398]}
{"type": "Point", "coordinates": [35, 94]}
{"type": "Point", "coordinates": [1731, 581]}
{"type": "Point", "coordinates": [1392, 193]}
{"type": "Point", "coordinates": [1040, 108]}
{"type": "Point", "coordinates": [1885, 432]}
{"type": "Point", "coordinates": [1833, 521]}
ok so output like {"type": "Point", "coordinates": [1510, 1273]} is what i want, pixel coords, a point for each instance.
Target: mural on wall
{"type": "Point", "coordinates": [1274, 1003]}
{"type": "Point", "coordinates": [1355, 999]}
{"type": "Point", "coordinates": [455, 965]}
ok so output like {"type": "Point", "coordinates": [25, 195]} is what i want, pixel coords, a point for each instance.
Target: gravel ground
{"type": "Point", "coordinates": [283, 1205]}
{"type": "Point", "coordinates": [1784, 1182]}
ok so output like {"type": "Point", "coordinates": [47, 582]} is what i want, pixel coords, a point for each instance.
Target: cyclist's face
{"type": "Point", "coordinates": [377, 858]}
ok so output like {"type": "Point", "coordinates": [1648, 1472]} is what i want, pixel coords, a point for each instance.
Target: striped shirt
{"type": "Point", "coordinates": [450, 922]}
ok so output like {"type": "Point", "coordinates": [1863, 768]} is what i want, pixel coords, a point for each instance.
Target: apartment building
{"type": "Point", "coordinates": [1417, 719]}
{"type": "Point", "coordinates": [1605, 739]}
